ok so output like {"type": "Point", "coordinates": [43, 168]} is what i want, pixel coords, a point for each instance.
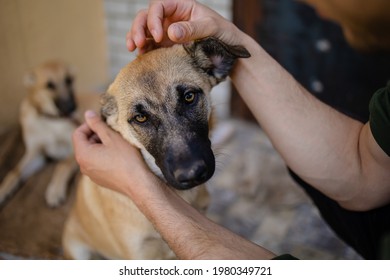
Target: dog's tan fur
{"type": "Point", "coordinates": [46, 133]}
{"type": "Point", "coordinates": [107, 223]}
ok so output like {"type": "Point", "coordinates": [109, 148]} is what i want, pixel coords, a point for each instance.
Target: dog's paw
{"type": "Point", "coordinates": [55, 196]}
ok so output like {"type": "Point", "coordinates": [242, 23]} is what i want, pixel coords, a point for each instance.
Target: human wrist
{"type": "Point", "coordinates": [145, 189]}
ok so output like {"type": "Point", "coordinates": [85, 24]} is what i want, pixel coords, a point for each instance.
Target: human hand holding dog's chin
{"type": "Point", "coordinates": [109, 160]}
{"type": "Point", "coordinates": [168, 22]}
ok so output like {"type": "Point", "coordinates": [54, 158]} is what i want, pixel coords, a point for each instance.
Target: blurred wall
{"type": "Point", "coordinates": [33, 31]}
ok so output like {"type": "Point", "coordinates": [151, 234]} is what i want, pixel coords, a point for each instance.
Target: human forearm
{"type": "Point", "coordinates": [317, 142]}
{"type": "Point", "coordinates": [190, 234]}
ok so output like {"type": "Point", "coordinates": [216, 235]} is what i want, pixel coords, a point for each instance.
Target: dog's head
{"type": "Point", "coordinates": [160, 102]}
{"type": "Point", "coordinates": [50, 88]}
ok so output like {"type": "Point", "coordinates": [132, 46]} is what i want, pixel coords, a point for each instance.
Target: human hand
{"type": "Point", "coordinates": [168, 22]}
{"type": "Point", "coordinates": [108, 159]}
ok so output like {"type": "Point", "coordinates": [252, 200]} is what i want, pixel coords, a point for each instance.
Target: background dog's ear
{"type": "Point", "coordinates": [109, 106]}
{"type": "Point", "coordinates": [214, 56]}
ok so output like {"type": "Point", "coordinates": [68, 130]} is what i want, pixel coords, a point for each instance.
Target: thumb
{"type": "Point", "coordinates": [96, 124]}
{"type": "Point", "coordinates": [185, 31]}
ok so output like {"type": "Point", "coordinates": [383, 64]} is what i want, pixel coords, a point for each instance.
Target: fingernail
{"type": "Point", "coordinates": [90, 114]}
{"type": "Point", "coordinates": [178, 32]}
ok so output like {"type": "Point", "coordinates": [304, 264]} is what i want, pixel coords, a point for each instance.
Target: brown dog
{"type": "Point", "coordinates": [48, 117]}
{"type": "Point", "coordinates": [160, 103]}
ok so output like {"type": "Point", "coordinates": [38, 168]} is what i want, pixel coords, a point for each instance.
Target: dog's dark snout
{"type": "Point", "coordinates": [66, 106]}
{"type": "Point", "coordinates": [193, 175]}
{"type": "Point", "coordinates": [187, 163]}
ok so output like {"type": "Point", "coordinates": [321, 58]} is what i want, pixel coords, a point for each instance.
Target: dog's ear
{"type": "Point", "coordinates": [214, 56]}
{"type": "Point", "coordinates": [109, 107]}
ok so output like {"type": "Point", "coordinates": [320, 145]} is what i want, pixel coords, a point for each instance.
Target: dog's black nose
{"type": "Point", "coordinates": [193, 175]}
{"type": "Point", "coordinates": [66, 106]}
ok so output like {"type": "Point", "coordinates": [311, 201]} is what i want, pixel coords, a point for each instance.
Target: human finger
{"type": "Point", "coordinates": [163, 13]}
{"type": "Point", "coordinates": [99, 127]}
{"type": "Point", "coordinates": [155, 20]}
{"type": "Point", "coordinates": [80, 139]}
{"type": "Point", "coordinates": [82, 133]}
{"type": "Point", "coordinates": [136, 37]}
{"type": "Point", "coordinates": [94, 139]}
{"type": "Point", "coordinates": [184, 31]}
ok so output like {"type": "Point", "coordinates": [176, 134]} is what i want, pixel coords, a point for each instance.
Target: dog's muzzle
{"type": "Point", "coordinates": [193, 175]}
{"type": "Point", "coordinates": [66, 106]}
{"type": "Point", "coordinates": [190, 168]}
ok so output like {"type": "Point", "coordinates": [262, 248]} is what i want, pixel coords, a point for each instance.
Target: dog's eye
{"type": "Point", "coordinates": [141, 118]}
{"type": "Point", "coordinates": [189, 97]}
{"type": "Point", "coordinates": [68, 80]}
{"type": "Point", "coordinates": [51, 85]}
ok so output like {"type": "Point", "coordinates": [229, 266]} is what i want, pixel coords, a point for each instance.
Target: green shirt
{"type": "Point", "coordinates": [380, 118]}
{"type": "Point", "coordinates": [380, 128]}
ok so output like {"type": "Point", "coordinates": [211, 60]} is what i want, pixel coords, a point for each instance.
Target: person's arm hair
{"type": "Point", "coordinates": [191, 235]}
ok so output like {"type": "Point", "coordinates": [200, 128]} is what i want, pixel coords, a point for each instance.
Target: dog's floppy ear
{"type": "Point", "coordinates": [214, 56]}
{"type": "Point", "coordinates": [109, 106]}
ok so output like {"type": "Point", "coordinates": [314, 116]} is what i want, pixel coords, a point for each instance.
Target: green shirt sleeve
{"type": "Point", "coordinates": [380, 118]}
